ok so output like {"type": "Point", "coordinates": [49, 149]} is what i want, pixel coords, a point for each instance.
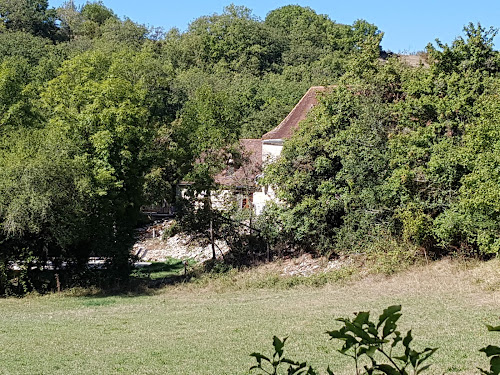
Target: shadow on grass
{"type": "Point", "coordinates": [145, 280]}
{"type": "Point", "coordinates": [158, 274]}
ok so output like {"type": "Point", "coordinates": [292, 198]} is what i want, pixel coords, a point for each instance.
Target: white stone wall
{"type": "Point", "coordinates": [219, 199]}
{"type": "Point", "coordinates": [270, 152]}
{"type": "Point", "coordinates": [259, 201]}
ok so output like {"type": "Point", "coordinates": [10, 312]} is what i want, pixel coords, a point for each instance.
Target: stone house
{"type": "Point", "coordinates": [242, 183]}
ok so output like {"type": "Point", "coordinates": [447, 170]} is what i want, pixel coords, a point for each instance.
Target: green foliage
{"type": "Point", "coordinates": [34, 17]}
{"type": "Point", "coordinates": [96, 12]}
{"type": "Point", "coordinates": [98, 116]}
{"type": "Point", "coordinates": [16, 109]}
{"type": "Point", "coordinates": [22, 45]}
{"type": "Point", "coordinates": [493, 353]}
{"type": "Point", "coordinates": [364, 338]}
{"type": "Point", "coordinates": [236, 40]}
{"type": "Point", "coordinates": [74, 159]}
{"type": "Point", "coordinates": [271, 365]}
{"type": "Point", "coordinates": [397, 151]}
{"type": "Point", "coordinates": [310, 37]}
{"type": "Point", "coordinates": [172, 229]}
{"type": "Point", "coordinates": [378, 346]}
{"type": "Point", "coordinates": [466, 55]}
{"type": "Point", "coordinates": [330, 170]}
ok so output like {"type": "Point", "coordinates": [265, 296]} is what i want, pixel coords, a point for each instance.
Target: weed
{"type": "Point", "coordinates": [362, 338]}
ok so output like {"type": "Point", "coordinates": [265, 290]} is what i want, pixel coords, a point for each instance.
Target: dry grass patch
{"type": "Point", "coordinates": [212, 330]}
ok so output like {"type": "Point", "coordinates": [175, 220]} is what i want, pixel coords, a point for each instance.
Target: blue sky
{"type": "Point", "coordinates": [408, 25]}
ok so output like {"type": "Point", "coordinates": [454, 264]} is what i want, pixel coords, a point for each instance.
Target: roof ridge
{"type": "Point", "coordinates": [299, 112]}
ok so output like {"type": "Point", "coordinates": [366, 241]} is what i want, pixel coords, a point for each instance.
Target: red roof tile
{"type": "Point", "coordinates": [251, 165]}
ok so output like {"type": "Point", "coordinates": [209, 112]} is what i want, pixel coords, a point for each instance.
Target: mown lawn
{"type": "Point", "coordinates": [196, 330]}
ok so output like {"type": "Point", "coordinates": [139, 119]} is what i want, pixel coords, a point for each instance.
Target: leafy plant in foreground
{"type": "Point", "coordinates": [362, 339]}
{"type": "Point", "coordinates": [492, 352]}
{"type": "Point", "coordinates": [271, 365]}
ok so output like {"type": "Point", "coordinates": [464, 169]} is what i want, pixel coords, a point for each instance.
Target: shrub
{"type": "Point", "coordinates": [378, 346]}
{"type": "Point", "coordinates": [171, 230]}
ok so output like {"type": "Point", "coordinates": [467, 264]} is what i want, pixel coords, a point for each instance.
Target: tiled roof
{"type": "Point", "coordinates": [251, 164]}
{"type": "Point", "coordinates": [251, 149]}
{"type": "Point", "coordinates": [291, 122]}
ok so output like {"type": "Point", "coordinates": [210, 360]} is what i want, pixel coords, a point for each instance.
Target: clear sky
{"type": "Point", "coordinates": [408, 25]}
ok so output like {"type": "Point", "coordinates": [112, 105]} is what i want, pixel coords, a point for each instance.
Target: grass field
{"type": "Point", "coordinates": [206, 330]}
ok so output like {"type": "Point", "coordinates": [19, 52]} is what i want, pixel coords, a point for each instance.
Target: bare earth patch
{"type": "Point", "coordinates": [304, 265]}
{"type": "Point", "coordinates": [151, 247]}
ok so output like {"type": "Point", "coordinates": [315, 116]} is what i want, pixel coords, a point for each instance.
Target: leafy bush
{"type": "Point", "coordinates": [270, 365]}
{"type": "Point", "coordinates": [406, 151]}
{"type": "Point", "coordinates": [377, 346]}
{"type": "Point", "coordinates": [171, 230]}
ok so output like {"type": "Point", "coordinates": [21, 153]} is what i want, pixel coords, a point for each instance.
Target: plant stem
{"type": "Point", "coordinates": [391, 360]}
{"type": "Point", "coordinates": [356, 360]}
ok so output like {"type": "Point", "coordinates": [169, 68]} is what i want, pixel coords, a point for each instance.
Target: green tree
{"type": "Point", "coordinates": [330, 170]}
{"type": "Point", "coordinates": [473, 53]}
{"type": "Point", "coordinates": [74, 187]}
{"type": "Point", "coordinates": [32, 16]}
{"type": "Point", "coordinates": [234, 39]}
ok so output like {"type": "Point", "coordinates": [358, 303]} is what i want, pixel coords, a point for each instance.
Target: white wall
{"type": "Point", "coordinates": [271, 152]}
{"type": "Point", "coordinates": [218, 198]}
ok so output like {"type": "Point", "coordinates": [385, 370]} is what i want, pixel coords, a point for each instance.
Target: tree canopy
{"type": "Point", "coordinates": [100, 115]}
{"type": "Point", "coordinates": [403, 152]}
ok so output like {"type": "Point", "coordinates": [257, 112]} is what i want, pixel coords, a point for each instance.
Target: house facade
{"type": "Point", "coordinates": [238, 183]}
{"type": "Point", "coordinates": [243, 182]}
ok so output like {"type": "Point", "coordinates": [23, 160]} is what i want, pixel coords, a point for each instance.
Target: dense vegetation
{"type": "Point", "coordinates": [399, 153]}
{"type": "Point", "coordinates": [100, 115]}
{"type": "Point", "coordinates": [376, 347]}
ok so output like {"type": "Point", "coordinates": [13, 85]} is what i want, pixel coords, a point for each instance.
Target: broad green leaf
{"type": "Point", "coordinates": [388, 312]}
{"type": "Point", "coordinates": [372, 329]}
{"type": "Point", "coordinates": [490, 350]}
{"type": "Point", "coordinates": [408, 339]}
{"type": "Point", "coordinates": [495, 365]}
{"type": "Point", "coordinates": [387, 369]}
{"type": "Point", "coordinates": [371, 351]}
{"type": "Point", "coordinates": [336, 334]}
{"type": "Point", "coordinates": [413, 357]}
{"type": "Point", "coordinates": [423, 368]}
{"type": "Point", "coordinates": [396, 339]}
{"type": "Point", "coordinates": [361, 318]}
{"type": "Point", "coordinates": [492, 328]}
{"type": "Point", "coordinates": [259, 357]}
{"type": "Point", "coordinates": [425, 354]}
{"type": "Point", "coordinates": [291, 362]}
{"type": "Point", "coordinates": [278, 345]}
{"type": "Point", "coordinates": [358, 332]}
{"type": "Point", "coordinates": [390, 324]}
